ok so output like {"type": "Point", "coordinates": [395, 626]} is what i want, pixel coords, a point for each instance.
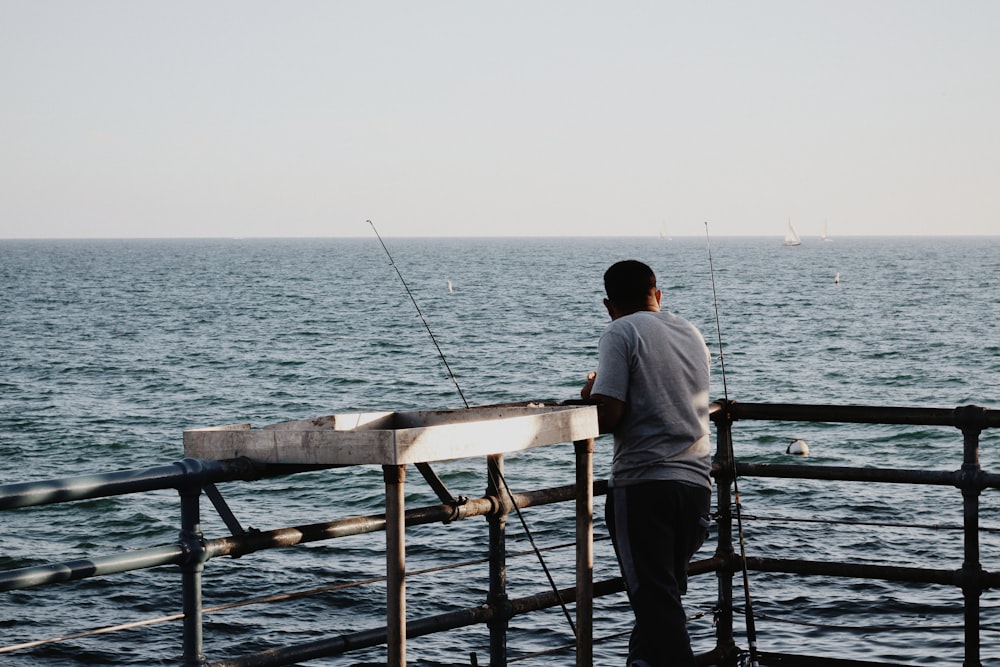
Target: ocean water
{"type": "Point", "coordinates": [111, 348]}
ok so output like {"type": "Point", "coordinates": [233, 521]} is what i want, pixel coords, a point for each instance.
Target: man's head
{"type": "Point", "coordinates": [631, 287]}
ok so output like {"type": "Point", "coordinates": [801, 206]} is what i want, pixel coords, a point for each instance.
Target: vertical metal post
{"type": "Point", "coordinates": [584, 450]}
{"type": "Point", "coordinates": [968, 419]}
{"type": "Point", "coordinates": [193, 542]}
{"type": "Point", "coordinates": [395, 562]}
{"type": "Point", "coordinates": [724, 640]}
{"type": "Point", "coordinates": [497, 598]}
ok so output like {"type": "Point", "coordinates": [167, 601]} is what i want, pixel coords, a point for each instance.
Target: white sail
{"type": "Point", "coordinates": [791, 237]}
{"type": "Point", "coordinates": [824, 236]}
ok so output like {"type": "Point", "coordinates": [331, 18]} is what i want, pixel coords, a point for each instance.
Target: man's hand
{"type": "Point", "coordinates": [585, 392]}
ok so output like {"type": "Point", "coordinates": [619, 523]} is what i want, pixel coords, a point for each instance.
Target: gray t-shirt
{"type": "Point", "coordinates": [658, 364]}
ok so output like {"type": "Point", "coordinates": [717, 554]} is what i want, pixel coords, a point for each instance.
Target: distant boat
{"type": "Point", "coordinates": [824, 236]}
{"type": "Point", "coordinates": [791, 237]}
{"type": "Point", "coordinates": [664, 236]}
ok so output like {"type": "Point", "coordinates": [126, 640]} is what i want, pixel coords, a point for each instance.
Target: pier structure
{"type": "Point", "coordinates": [395, 441]}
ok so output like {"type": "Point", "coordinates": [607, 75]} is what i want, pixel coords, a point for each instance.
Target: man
{"type": "Point", "coordinates": [651, 387]}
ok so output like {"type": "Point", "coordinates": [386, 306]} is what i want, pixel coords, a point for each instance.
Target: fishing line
{"type": "Point", "coordinates": [423, 319]}
{"type": "Point", "coordinates": [715, 303]}
{"type": "Point", "coordinates": [494, 469]}
{"type": "Point", "coordinates": [751, 624]}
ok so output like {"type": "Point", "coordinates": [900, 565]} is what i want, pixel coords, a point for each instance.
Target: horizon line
{"type": "Point", "coordinates": [483, 236]}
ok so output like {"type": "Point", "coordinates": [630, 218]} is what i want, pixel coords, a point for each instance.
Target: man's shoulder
{"type": "Point", "coordinates": [651, 323]}
{"type": "Point", "coordinates": [647, 318]}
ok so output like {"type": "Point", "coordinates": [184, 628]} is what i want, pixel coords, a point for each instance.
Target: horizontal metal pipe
{"type": "Point", "coordinates": [844, 473]}
{"type": "Point", "coordinates": [416, 628]}
{"type": "Point", "coordinates": [861, 414]}
{"type": "Point", "coordinates": [423, 626]}
{"type": "Point", "coordinates": [53, 573]}
{"type": "Point", "coordinates": [170, 476]}
{"type": "Point", "coordinates": [849, 474]}
{"type": "Point", "coordinates": [795, 660]}
{"type": "Point", "coordinates": [239, 545]}
{"type": "Point", "coordinates": [547, 599]}
{"type": "Point", "coordinates": [236, 546]}
{"type": "Point", "coordinates": [291, 655]}
{"type": "Point", "coordinates": [983, 580]}
{"type": "Point", "coordinates": [354, 641]}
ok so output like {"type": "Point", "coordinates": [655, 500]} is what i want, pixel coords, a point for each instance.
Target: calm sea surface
{"type": "Point", "coordinates": [110, 349]}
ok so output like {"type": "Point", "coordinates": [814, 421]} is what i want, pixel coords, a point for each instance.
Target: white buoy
{"type": "Point", "coordinates": [836, 278]}
{"type": "Point", "coordinates": [450, 290]}
{"type": "Point", "coordinates": [798, 448]}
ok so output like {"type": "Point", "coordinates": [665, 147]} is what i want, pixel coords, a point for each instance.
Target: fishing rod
{"type": "Point", "coordinates": [751, 624]}
{"type": "Point", "coordinates": [494, 469]}
{"type": "Point", "coordinates": [422, 318]}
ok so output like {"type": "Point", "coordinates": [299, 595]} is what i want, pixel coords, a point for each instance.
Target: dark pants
{"type": "Point", "coordinates": [656, 528]}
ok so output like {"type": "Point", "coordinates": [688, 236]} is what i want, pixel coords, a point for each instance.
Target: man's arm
{"type": "Point", "coordinates": [609, 412]}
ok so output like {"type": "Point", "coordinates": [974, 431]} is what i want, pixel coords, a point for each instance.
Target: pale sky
{"type": "Point", "coordinates": [130, 118]}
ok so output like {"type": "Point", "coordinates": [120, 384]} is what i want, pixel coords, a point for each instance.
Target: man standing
{"type": "Point", "coordinates": [651, 387]}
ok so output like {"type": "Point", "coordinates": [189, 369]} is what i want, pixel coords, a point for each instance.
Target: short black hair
{"type": "Point", "coordinates": [629, 282]}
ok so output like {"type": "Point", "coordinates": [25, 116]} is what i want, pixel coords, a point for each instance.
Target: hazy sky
{"type": "Point", "coordinates": [127, 118]}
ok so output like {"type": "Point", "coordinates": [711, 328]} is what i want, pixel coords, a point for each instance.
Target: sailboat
{"type": "Point", "coordinates": [791, 237]}
{"type": "Point", "coordinates": [824, 236]}
{"type": "Point", "coordinates": [664, 236]}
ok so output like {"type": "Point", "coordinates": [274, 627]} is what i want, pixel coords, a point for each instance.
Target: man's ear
{"type": "Point", "coordinates": [659, 294]}
{"type": "Point", "coordinates": [611, 308]}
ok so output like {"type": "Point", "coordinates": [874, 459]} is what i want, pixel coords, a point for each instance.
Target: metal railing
{"type": "Point", "coordinates": [192, 478]}
{"type": "Point", "coordinates": [970, 479]}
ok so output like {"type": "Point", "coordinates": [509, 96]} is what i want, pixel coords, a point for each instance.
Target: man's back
{"type": "Point", "coordinates": [658, 364]}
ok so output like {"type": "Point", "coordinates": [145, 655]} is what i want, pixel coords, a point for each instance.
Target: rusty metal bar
{"type": "Point", "coordinates": [395, 562]}
{"type": "Point", "coordinates": [436, 483]}
{"type": "Point", "coordinates": [54, 573]}
{"type": "Point", "coordinates": [452, 620]}
{"type": "Point", "coordinates": [497, 598]}
{"type": "Point", "coordinates": [863, 414]}
{"type": "Point", "coordinates": [725, 552]}
{"type": "Point", "coordinates": [239, 545]}
{"type": "Point", "coordinates": [914, 575]}
{"type": "Point", "coordinates": [291, 655]}
{"type": "Point", "coordinates": [793, 660]}
{"type": "Point", "coordinates": [84, 487]}
{"type": "Point", "coordinates": [192, 566]}
{"type": "Point", "coordinates": [889, 476]}
{"type": "Point", "coordinates": [970, 420]}
{"type": "Point", "coordinates": [584, 450]}
{"type": "Point", "coordinates": [431, 624]}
